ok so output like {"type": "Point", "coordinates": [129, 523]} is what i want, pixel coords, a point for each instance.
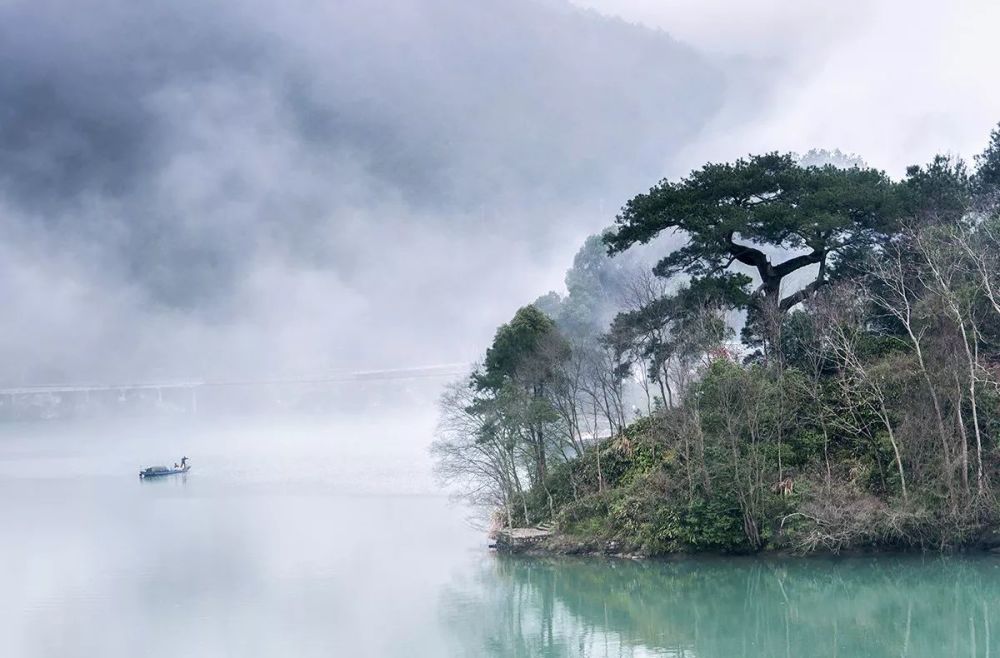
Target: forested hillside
{"type": "Point", "coordinates": [816, 367]}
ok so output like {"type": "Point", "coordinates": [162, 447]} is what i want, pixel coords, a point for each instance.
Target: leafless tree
{"type": "Point", "coordinates": [864, 386]}
{"type": "Point", "coordinates": [481, 462]}
{"type": "Point", "coordinates": [945, 274]}
{"type": "Point", "coordinates": [893, 291]}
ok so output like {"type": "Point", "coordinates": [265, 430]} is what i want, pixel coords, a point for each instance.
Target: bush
{"type": "Point", "coordinates": [648, 516]}
{"type": "Point", "coordinates": [585, 518]}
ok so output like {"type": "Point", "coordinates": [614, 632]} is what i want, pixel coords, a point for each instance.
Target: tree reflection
{"type": "Point", "coordinates": [729, 607]}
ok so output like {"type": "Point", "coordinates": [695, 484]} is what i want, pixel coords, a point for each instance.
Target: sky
{"type": "Point", "coordinates": [892, 80]}
{"type": "Point", "coordinates": [254, 188]}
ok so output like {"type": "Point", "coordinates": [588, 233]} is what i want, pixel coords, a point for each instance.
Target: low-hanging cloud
{"type": "Point", "coordinates": [895, 81]}
{"type": "Point", "coordinates": [256, 188]}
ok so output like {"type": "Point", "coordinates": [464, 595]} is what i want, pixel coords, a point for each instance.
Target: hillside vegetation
{"type": "Point", "coordinates": [858, 408]}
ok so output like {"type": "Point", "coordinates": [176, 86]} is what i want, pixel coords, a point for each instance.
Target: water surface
{"type": "Point", "coordinates": [328, 537]}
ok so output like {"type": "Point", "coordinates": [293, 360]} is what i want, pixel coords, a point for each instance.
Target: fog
{"type": "Point", "coordinates": [893, 80]}
{"type": "Point", "coordinates": [298, 538]}
{"type": "Point", "coordinates": [259, 189]}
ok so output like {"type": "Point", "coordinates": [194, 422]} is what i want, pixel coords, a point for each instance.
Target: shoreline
{"type": "Point", "coordinates": [557, 545]}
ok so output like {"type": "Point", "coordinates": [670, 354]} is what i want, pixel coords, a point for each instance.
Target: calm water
{"type": "Point", "coordinates": [325, 538]}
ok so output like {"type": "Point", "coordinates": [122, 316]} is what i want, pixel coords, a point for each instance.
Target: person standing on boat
{"type": "Point", "coordinates": [184, 461]}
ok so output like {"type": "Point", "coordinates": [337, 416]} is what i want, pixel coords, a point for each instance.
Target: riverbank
{"type": "Point", "coordinates": [556, 545]}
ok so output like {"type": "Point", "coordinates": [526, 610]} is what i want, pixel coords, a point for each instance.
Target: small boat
{"type": "Point", "coordinates": [160, 471]}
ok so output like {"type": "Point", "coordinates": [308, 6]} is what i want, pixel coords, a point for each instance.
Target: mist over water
{"type": "Point", "coordinates": [327, 536]}
{"type": "Point", "coordinates": [288, 537]}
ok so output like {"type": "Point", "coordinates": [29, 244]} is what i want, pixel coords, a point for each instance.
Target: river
{"type": "Point", "coordinates": [329, 537]}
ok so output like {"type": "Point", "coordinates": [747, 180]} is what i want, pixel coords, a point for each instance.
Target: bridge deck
{"type": "Point", "coordinates": [422, 372]}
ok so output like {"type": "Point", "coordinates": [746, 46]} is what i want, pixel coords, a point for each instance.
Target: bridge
{"type": "Point", "coordinates": [41, 395]}
{"type": "Point", "coordinates": [449, 370]}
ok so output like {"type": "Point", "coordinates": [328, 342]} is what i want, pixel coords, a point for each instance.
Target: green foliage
{"type": "Point", "coordinates": [766, 199]}
{"type": "Point", "coordinates": [678, 326]}
{"type": "Point", "coordinates": [730, 392]}
{"type": "Point", "coordinates": [583, 515]}
{"type": "Point", "coordinates": [595, 284]}
{"type": "Point", "coordinates": [528, 339]}
{"type": "Point", "coordinates": [640, 517]}
{"type": "Point", "coordinates": [728, 211]}
{"type": "Point", "coordinates": [623, 460]}
{"type": "Point", "coordinates": [799, 342]}
{"type": "Point", "coordinates": [713, 524]}
{"type": "Point", "coordinates": [987, 176]}
{"type": "Point", "coordinates": [938, 192]}
{"type": "Point", "coordinates": [593, 280]}
{"type": "Point", "coordinates": [802, 446]}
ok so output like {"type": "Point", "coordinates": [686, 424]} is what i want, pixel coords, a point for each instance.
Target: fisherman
{"type": "Point", "coordinates": [184, 461]}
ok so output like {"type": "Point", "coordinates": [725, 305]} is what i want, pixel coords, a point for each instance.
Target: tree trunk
{"type": "Point", "coordinates": [895, 446]}
{"type": "Point", "coordinates": [973, 361]}
{"type": "Point", "coordinates": [938, 415]}
{"type": "Point", "coordinates": [960, 421]}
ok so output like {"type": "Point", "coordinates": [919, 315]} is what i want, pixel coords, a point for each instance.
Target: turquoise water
{"type": "Point", "coordinates": [719, 608]}
{"type": "Point", "coordinates": [327, 537]}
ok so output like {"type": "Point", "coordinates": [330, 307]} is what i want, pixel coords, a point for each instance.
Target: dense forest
{"type": "Point", "coordinates": [810, 363]}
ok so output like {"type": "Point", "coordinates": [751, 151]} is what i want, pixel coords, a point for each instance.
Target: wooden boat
{"type": "Point", "coordinates": [160, 471]}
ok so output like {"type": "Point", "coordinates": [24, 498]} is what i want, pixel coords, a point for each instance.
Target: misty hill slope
{"type": "Point", "coordinates": [205, 157]}
{"type": "Point", "coordinates": [445, 101]}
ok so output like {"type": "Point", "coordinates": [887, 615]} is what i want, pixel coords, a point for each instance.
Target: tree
{"type": "Point", "coordinates": [473, 452]}
{"type": "Point", "coordinates": [743, 212]}
{"type": "Point", "coordinates": [518, 367]}
{"type": "Point", "coordinates": [515, 345]}
{"type": "Point", "coordinates": [836, 157]}
{"type": "Point", "coordinates": [868, 387]}
{"type": "Point", "coordinates": [741, 410]}
{"type": "Point", "coordinates": [595, 286]}
{"type": "Point", "coordinates": [987, 176]}
{"type": "Point", "coordinates": [661, 329]}
{"type": "Point", "coordinates": [947, 274]}
{"type": "Point", "coordinates": [896, 289]}
{"type": "Point", "coordinates": [937, 193]}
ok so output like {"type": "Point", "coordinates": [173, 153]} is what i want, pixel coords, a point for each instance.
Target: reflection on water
{"type": "Point", "coordinates": [326, 538]}
{"type": "Point", "coordinates": [719, 608]}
